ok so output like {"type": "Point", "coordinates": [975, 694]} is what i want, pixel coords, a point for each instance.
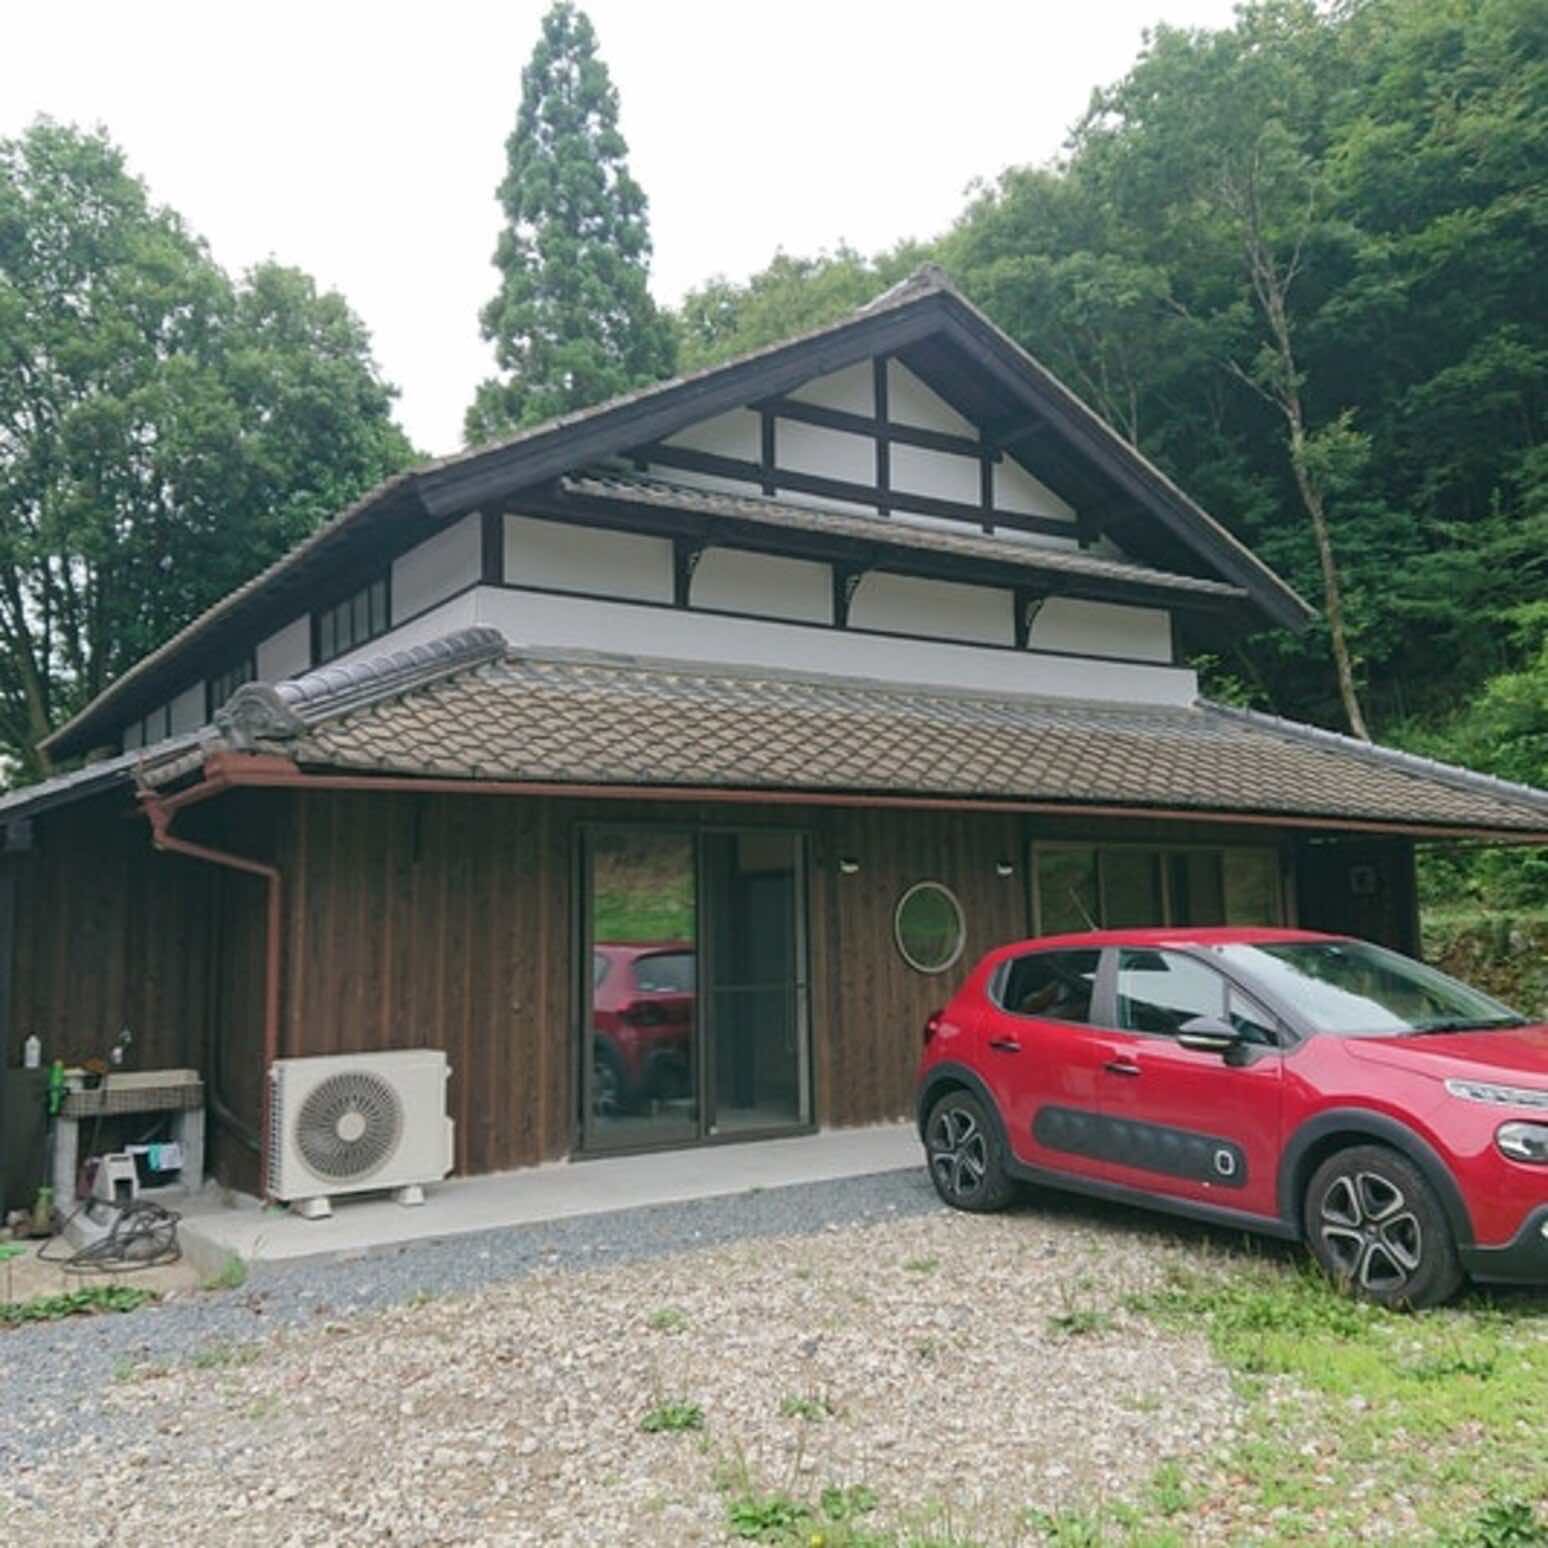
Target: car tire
{"type": "Point", "coordinates": [966, 1155]}
{"type": "Point", "coordinates": [1378, 1229]}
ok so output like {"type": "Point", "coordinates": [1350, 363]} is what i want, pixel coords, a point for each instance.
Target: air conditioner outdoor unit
{"type": "Point", "coordinates": [357, 1123]}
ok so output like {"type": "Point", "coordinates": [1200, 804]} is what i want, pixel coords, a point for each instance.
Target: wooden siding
{"type": "Point", "coordinates": [446, 921]}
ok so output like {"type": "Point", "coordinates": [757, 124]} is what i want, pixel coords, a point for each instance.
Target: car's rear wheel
{"type": "Point", "coordinates": [1377, 1228]}
{"type": "Point", "coordinates": [966, 1155]}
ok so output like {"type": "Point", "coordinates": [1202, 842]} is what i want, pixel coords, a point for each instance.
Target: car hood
{"type": "Point", "coordinates": [1516, 1055]}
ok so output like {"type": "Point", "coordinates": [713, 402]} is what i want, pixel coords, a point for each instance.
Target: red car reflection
{"type": "Point", "coordinates": [642, 1000]}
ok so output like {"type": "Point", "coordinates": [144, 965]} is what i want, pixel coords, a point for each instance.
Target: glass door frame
{"type": "Point", "coordinates": [582, 923]}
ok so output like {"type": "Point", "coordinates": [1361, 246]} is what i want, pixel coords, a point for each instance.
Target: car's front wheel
{"type": "Point", "coordinates": [1377, 1228]}
{"type": "Point", "coordinates": [966, 1156]}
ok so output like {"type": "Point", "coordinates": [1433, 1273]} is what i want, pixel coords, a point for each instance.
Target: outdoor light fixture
{"type": "Point", "coordinates": [1004, 868]}
{"type": "Point", "coordinates": [848, 865]}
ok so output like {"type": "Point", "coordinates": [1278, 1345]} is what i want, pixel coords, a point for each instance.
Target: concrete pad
{"type": "Point", "coordinates": [218, 1225]}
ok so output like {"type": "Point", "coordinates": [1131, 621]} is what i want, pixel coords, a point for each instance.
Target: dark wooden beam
{"type": "Point", "coordinates": [842, 489]}
{"type": "Point", "coordinates": [846, 582]}
{"type": "Point", "coordinates": [1017, 430]}
{"type": "Point", "coordinates": [883, 445]}
{"type": "Point", "coordinates": [686, 554]}
{"type": "Point", "coordinates": [1029, 604]}
{"type": "Point", "coordinates": [878, 427]}
{"type": "Point", "coordinates": [986, 490]}
{"type": "Point", "coordinates": [766, 451]}
{"type": "Point", "coordinates": [492, 545]}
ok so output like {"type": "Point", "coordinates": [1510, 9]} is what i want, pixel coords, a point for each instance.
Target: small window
{"type": "Point", "coordinates": [355, 621]}
{"type": "Point", "coordinates": [1158, 991]}
{"type": "Point", "coordinates": [1055, 985]}
{"type": "Point", "coordinates": [218, 689]}
{"type": "Point", "coordinates": [929, 927]}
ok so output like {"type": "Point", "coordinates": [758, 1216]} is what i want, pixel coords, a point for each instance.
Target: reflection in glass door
{"type": "Point", "coordinates": [696, 991]}
{"type": "Point", "coordinates": [641, 1060]}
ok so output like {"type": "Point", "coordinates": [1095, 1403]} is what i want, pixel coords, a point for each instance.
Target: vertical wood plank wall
{"type": "Point", "coordinates": [445, 921]}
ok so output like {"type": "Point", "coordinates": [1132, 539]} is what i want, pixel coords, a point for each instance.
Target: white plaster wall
{"type": "Point", "coordinates": [739, 582]}
{"type": "Point", "coordinates": [1103, 629]}
{"type": "Point", "coordinates": [829, 453]}
{"type": "Point", "coordinates": [286, 653]}
{"type": "Point", "coordinates": [853, 389]}
{"type": "Point", "coordinates": [188, 709]}
{"type": "Point", "coordinates": [910, 402]}
{"type": "Point", "coordinates": [533, 619]}
{"type": "Point", "coordinates": [921, 471]}
{"type": "Point", "coordinates": [438, 567]}
{"type": "Point", "coordinates": [459, 613]}
{"type": "Point", "coordinates": [620, 564]}
{"type": "Point", "coordinates": [737, 434]}
{"type": "Point", "coordinates": [908, 604]}
{"type": "Point", "coordinates": [1017, 490]}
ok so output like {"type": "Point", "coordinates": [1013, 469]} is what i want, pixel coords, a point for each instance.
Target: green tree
{"type": "Point", "coordinates": [164, 433]}
{"type": "Point", "coordinates": [573, 322]}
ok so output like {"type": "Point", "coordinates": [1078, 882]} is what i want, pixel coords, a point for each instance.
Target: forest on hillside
{"type": "Point", "coordinates": [1297, 261]}
{"type": "Point", "coordinates": [1300, 263]}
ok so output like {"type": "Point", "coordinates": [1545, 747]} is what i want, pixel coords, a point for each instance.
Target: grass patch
{"type": "Point", "coordinates": [217, 1357]}
{"type": "Point", "coordinates": [812, 1409]}
{"type": "Point", "coordinates": [672, 1417]}
{"type": "Point", "coordinates": [667, 1319]}
{"type": "Point", "coordinates": [75, 1303]}
{"type": "Point", "coordinates": [922, 1265]}
{"type": "Point", "coordinates": [1351, 1408]}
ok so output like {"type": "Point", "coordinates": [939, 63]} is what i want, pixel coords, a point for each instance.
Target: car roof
{"type": "Point", "coordinates": [1171, 935]}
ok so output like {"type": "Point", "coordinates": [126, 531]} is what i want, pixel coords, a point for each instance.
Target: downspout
{"type": "Point", "coordinates": [161, 813]}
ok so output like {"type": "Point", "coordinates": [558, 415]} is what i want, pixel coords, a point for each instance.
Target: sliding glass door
{"type": "Point", "coordinates": [694, 995]}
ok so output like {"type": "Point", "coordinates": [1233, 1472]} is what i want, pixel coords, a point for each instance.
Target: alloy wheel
{"type": "Point", "coordinates": [1371, 1233]}
{"type": "Point", "coordinates": [959, 1153]}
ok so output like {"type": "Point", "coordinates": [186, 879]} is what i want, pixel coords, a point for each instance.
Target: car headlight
{"type": "Point", "coordinates": [1524, 1141]}
{"type": "Point", "coordinates": [1498, 1096]}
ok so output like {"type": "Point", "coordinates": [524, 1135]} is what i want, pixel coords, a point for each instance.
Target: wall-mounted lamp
{"type": "Point", "coordinates": [848, 865]}
{"type": "Point", "coordinates": [1004, 868]}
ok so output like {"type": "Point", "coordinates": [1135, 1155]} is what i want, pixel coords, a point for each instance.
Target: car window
{"type": "Point", "coordinates": [599, 967]}
{"type": "Point", "coordinates": [1056, 985]}
{"type": "Point", "coordinates": [664, 972]}
{"type": "Point", "coordinates": [1160, 990]}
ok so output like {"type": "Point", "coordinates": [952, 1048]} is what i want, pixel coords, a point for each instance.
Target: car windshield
{"type": "Point", "coordinates": [1354, 989]}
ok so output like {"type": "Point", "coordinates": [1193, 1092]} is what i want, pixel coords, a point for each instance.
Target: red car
{"type": "Point", "coordinates": [1307, 1086]}
{"type": "Point", "coordinates": [642, 999]}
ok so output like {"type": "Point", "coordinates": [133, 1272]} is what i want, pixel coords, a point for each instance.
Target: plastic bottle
{"type": "Point", "coordinates": [32, 1052]}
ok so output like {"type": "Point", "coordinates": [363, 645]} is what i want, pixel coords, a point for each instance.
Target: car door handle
{"type": "Point", "coordinates": [1121, 1067]}
{"type": "Point", "coordinates": [1005, 1045]}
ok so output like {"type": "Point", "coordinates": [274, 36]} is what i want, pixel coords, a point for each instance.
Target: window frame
{"type": "Point", "coordinates": [359, 600]}
{"type": "Point", "coordinates": [1162, 851]}
{"type": "Point", "coordinates": [247, 664]}
{"type": "Point", "coordinates": [912, 891]}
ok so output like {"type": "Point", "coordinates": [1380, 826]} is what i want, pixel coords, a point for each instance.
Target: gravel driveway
{"type": "Point", "coordinates": [492, 1389]}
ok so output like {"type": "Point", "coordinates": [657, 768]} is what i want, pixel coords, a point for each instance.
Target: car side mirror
{"type": "Point", "coordinates": [1208, 1034]}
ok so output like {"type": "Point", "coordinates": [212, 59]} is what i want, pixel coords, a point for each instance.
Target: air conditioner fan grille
{"type": "Point", "coordinates": [349, 1125]}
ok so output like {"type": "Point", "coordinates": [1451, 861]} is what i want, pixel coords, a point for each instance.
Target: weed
{"type": "Point", "coordinates": [218, 1356]}
{"type": "Point", "coordinates": [75, 1303]}
{"type": "Point", "coordinates": [672, 1417]}
{"type": "Point", "coordinates": [1506, 1523]}
{"type": "Point", "coordinates": [668, 1319]}
{"type": "Point", "coordinates": [232, 1274]}
{"type": "Point", "coordinates": [813, 1409]}
{"type": "Point", "coordinates": [765, 1518]}
{"type": "Point", "coordinates": [422, 1298]}
{"type": "Point", "coordinates": [922, 1265]}
{"type": "Point", "coordinates": [1081, 1320]}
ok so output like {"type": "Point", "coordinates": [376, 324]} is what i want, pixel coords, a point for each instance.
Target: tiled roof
{"type": "Point", "coordinates": [579, 718]}
{"type": "Point", "coordinates": [886, 532]}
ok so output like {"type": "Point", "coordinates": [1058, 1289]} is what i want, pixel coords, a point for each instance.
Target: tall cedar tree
{"type": "Point", "coordinates": [573, 322]}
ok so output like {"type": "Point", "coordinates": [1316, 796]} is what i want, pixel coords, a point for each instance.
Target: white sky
{"type": "Point", "coordinates": [363, 142]}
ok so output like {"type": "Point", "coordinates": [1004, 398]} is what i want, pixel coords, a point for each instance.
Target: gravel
{"type": "Point", "coordinates": [490, 1389]}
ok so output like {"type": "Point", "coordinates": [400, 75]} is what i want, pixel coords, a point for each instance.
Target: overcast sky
{"type": "Point", "coordinates": [363, 142]}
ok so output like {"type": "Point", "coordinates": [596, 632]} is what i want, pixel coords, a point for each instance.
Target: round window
{"type": "Point", "coordinates": [929, 927]}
